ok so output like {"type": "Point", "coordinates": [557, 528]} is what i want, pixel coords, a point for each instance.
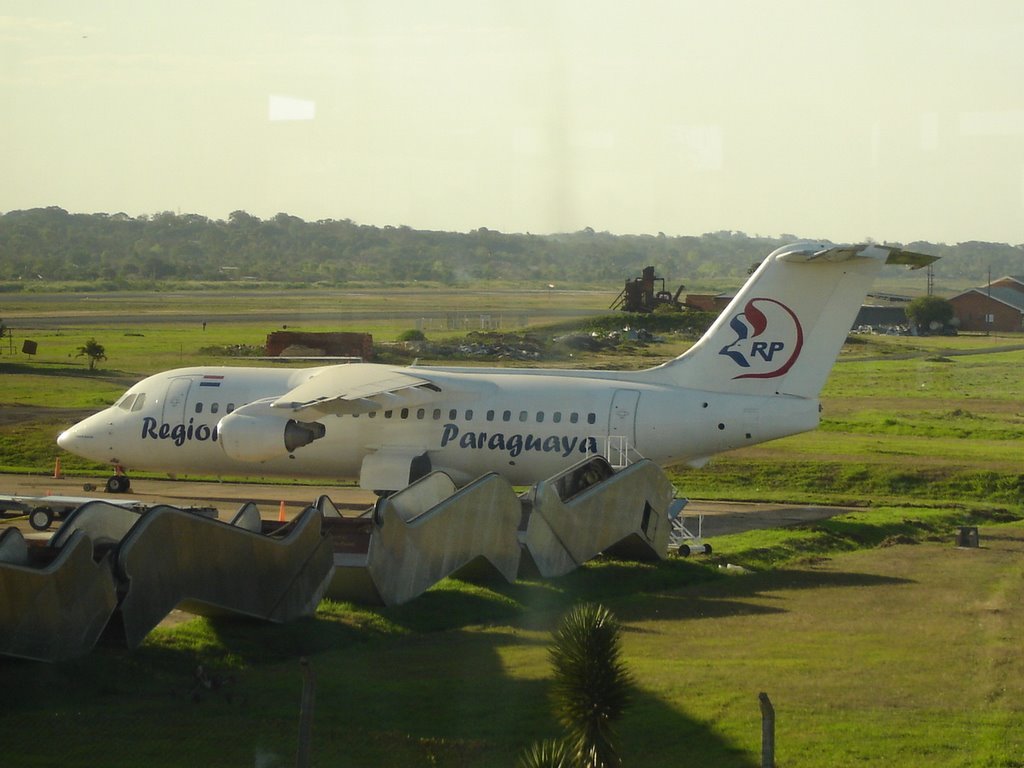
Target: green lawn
{"type": "Point", "coordinates": [900, 652]}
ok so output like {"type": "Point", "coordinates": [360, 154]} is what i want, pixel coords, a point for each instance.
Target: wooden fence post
{"type": "Point", "coordinates": [767, 731]}
{"type": "Point", "coordinates": [306, 715]}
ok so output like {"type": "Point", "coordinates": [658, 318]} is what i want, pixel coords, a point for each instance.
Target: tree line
{"type": "Point", "coordinates": [117, 250]}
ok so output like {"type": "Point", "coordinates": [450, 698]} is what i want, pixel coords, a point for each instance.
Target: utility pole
{"type": "Point", "coordinates": [988, 315]}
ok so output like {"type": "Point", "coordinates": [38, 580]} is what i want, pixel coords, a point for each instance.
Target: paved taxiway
{"type": "Point", "coordinates": [719, 517]}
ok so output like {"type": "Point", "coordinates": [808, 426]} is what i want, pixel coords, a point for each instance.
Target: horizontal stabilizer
{"type": "Point", "coordinates": [909, 258]}
{"type": "Point", "coordinates": [807, 254]}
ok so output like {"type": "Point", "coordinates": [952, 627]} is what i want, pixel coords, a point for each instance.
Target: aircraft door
{"type": "Point", "coordinates": [175, 399]}
{"type": "Point", "coordinates": [622, 418]}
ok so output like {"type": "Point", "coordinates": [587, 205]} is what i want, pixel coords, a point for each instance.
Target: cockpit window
{"type": "Point", "coordinates": [140, 401]}
{"type": "Point", "coordinates": [126, 402]}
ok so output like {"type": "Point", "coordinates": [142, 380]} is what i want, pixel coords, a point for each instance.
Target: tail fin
{"type": "Point", "coordinates": [783, 331]}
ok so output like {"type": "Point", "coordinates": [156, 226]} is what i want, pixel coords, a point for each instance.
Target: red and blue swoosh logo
{"type": "Point", "coordinates": [769, 338]}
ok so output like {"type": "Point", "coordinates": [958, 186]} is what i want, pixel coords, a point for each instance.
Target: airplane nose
{"type": "Point", "coordinates": [74, 438]}
{"type": "Point", "coordinates": [85, 439]}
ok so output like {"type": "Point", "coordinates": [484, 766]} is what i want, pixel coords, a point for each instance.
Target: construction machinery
{"type": "Point", "coordinates": [645, 293]}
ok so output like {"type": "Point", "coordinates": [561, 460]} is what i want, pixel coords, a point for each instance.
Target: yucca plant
{"type": "Point", "coordinates": [550, 753]}
{"type": "Point", "coordinates": [590, 692]}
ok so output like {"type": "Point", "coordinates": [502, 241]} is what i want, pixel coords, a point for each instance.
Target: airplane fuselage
{"type": "Point", "coordinates": [524, 424]}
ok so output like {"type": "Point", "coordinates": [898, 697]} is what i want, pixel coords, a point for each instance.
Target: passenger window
{"type": "Point", "coordinates": [437, 414]}
{"type": "Point", "coordinates": [574, 417]}
{"type": "Point", "coordinates": [469, 415]}
{"type": "Point", "coordinates": [490, 415]}
{"type": "Point", "coordinates": [214, 408]}
{"type": "Point", "coordinates": [372, 414]}
{"type": "Point", "coordinates": [523, 416]}
{"type": "Point", "coordinates": [591, 418]}
{"type": "Point", "coordinates": [199, 407]}
{"type": "Point", "coordinates": [231, 407]}
{"type": "Point", "coordinates": [405, 413]}
{"type": "Point", "coordinates": [421, 413]}
{"type": "Point", "coordinates": [506, 416]}
{"type": "Point", "coordinates": [557, 417]}
{"type": "Point", "coordinates": [387, 414]}
{"type": "Point", "coordinates": [452, 414]}
{"type": "Point", "coordinates": [540, 417]}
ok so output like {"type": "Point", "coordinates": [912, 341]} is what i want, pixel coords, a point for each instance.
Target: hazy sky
{"type": "Point", "coordinates": [892, 119]}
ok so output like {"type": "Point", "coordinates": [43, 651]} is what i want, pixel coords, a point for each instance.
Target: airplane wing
{"type": "Point", "coordinates": [350, 389]}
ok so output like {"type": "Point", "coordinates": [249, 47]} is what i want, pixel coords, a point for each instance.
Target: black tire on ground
{"type": "Point", "coordinates": [118, 484]}
{"type": "Point", "coordinates": [40, 518]}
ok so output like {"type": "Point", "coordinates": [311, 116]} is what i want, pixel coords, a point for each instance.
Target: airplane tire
{"type": "Point", "coordinates": [118, 484]}
{"type": "Point", "coordinates": [40, 518]}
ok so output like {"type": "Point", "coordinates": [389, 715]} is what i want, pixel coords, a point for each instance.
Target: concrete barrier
{"type": "Point", "coordinates": [54, 602]}
{"type": "Point", "coordinates": [55, 605]}
{"type": "Point", "coordinates": [105, 524]}
{"type": "Point", "coordinates": [248, 518]}
{"type": "Point", "coordinates": [174, 559]}
{"type": "Point", "coordinates": [429, 531]}
{"type": "Point", "coordinates": [589, 509]}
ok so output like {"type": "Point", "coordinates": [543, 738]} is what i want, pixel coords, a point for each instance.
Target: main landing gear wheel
{"type": "Point", "coordinates": [118, 484]}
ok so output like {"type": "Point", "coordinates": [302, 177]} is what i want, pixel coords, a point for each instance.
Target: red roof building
{"type": "Point", "coordinates": [995, 307]}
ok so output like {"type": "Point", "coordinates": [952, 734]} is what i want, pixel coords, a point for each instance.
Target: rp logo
{"type": "Point", "coordinates": [768, 339]}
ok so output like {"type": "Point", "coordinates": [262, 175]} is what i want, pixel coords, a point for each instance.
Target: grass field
{"type": "Point", "coordinates": [878, 641]}
{"type": "Point", "coordinates": [898, 654]}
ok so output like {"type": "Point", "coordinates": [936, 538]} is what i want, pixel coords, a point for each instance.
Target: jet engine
{"type": "Point", "coordinates": [254, 435]}
{"type": "Point", "coordinates": [300, 433]}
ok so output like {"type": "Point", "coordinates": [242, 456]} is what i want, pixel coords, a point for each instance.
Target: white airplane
{"type": "Point", "coordinates": [754, 376]}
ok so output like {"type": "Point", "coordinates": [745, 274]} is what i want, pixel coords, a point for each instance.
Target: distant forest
{"type": "Point", "coordinates": [120, 251]}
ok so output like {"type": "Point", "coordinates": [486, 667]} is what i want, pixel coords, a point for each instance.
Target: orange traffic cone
{"type": "Point", "coordinates": [280, 513]}
{"type": "Point", "coordinates": [57, 474]}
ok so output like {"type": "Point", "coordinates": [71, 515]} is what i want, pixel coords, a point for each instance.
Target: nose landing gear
{"type": "Point", "coordinates": [119, 482]}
